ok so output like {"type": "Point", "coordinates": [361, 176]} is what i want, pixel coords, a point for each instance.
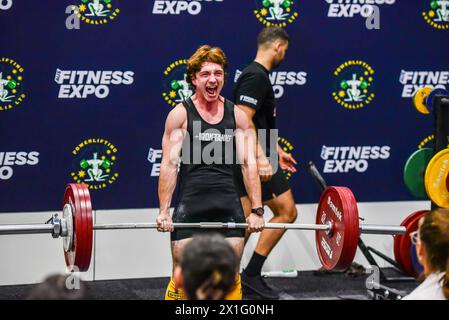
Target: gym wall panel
{"type": "Point", "coordinates": [89, 104]}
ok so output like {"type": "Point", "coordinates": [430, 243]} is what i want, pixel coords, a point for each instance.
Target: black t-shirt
{"type": "Point", "coordinates": [254, 89]}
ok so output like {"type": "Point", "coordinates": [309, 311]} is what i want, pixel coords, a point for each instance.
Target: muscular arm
{"type": "Point", "coordinates": [250, 112]}
{"type": "Point", "coordinates": [246, 142]}
{"type": "Point", "coordinates": [171, 151]}
{"type": "Point", "coordinates": [264, 167]}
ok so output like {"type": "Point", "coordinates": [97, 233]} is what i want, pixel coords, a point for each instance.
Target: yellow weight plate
{"type": "Point", "coordinates": [419, 100]}
{"type": "Point", "coordinates": [436, 179]}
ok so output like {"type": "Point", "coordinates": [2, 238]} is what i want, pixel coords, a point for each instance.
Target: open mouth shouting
{"type": "Point", "coordinates": [212, 90]}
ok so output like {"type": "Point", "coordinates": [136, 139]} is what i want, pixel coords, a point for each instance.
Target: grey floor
{"type": "Point", "coordinates": [307, 285]}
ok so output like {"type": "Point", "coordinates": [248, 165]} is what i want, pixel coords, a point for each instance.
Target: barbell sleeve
{"type": "Point", "coordinates": [381, 229]}
{"type": "Point", "coordinates": [26, 229]}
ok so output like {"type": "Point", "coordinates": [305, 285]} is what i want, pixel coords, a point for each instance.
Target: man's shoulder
{"type": "Point", "coordinates": [252, 71]}
{"type": "Point", "coordinates": [178, 109]}
{"type": "Point", "coordinates": [177, 114]}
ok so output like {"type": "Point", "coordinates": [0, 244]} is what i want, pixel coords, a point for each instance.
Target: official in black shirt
{"type": "Point", "coordinates": [253, 93]}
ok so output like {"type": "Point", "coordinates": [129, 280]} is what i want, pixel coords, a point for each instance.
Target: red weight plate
{"type": "Point", "coordinates": [83, 234]}
{"type": "Point", "coordinates": [81, 251]}
{"type": "Point", "coordinates": [396, 245]}
{"type": "Point", "coordinates": [352, 218]}
{"type": "Point", "coordinates": [72, 197]}
{"type": "Point", "coordinates": [406, 244]}
{"type": "Point", "coordinates": [337, 249]}
{"type": "Point", "coordinates": [398, 238]}
{"type": "Point", "coordinates": [82, 228]}
{"type": "Point", "coordinates": [88, 225]}
{"type": "Point", "coordinates": [405, 258]}
{"type": "Point", "coordinates": [85, 254]}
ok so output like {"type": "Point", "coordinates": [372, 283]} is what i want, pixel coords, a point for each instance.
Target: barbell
{"type": "Point", "coordinates": [337, 227]}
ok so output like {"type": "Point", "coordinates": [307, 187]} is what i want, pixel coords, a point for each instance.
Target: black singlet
{"type": "Point", "coordinates": [206, 186]}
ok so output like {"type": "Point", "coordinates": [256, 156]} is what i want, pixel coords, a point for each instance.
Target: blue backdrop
{"type": "Point", "coordinates": [96, 97]}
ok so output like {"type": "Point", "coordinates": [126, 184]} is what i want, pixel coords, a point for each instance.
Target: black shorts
{"type": "Point", "coordinates": [276, 186]}
{"type": "Point", "coordinates": [209, 206]}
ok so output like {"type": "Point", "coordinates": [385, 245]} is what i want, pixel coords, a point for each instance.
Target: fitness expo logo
{"type": "Point", "coordinates": [176, 88]}
{"type": "Point", "coordinates": [95, 163]}
{"type": "Point", "coordinates": [276, 12]}
{"type": "Point", "coordinates": [10, 159]}
{"type": "Point", "coordinates": [287, 147]}
{"type": "Point", "coordinates": [414, 80]}
{"type": "Point", "coordinates": [364, 8]}
{"type": "Point", "coordinates": [82, 84]}
{"type": "Point", "coordinates": [154, 158]}
{"type": "Point", "coordinates": [436, 13]}
{"type": "Point", "coordinates": [5, 4]}
{"type": "Point", "coordinates": [95, 12]}
{"type": "Point", "coordinates": [176, 7]}
{"type": "Point", "coordinates": [11, 84]}
{"type": "Point", "coordinates": [350, 158]}
{"type": "Point", "coordinates": [280, 79]}
{"type": "Point", "coordinates": [354, 84]}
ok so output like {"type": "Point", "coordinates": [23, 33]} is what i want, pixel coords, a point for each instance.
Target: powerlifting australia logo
{"type": "Point", "coordinates": [11, 84]}
{"type": "Point", "coordinates": [96, 12]}
{"type": "Point", "coordinates": [436, 13]}
{"type": "Point", "coordinates": [354, 84]}
{"type": "Point", "coordinates": [95, 163]}
{"type": "Point", "coordinates": [176, 87]}
{"type": "Point", "coordinates": [276, 12]}
{"type": "Point", "coordinates": [428, 142]}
